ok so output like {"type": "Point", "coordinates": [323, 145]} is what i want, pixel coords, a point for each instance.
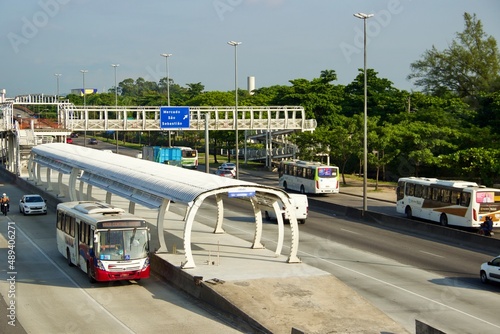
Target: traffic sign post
{"type": "Point", "coordinates": [174, 117]}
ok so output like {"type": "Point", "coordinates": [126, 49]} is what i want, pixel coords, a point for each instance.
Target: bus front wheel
{"type": "Point", "coordinates": [89, 273]}
{"type": "Point", "coordinates": [408, 213]}
{"type": "Point", "coordinates": [443, 220]}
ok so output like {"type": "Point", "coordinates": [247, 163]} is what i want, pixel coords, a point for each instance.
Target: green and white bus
{"type": "Point", "coordinates": [309, 177]}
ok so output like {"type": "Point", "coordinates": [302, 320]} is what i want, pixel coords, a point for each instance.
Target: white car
{"type": "Point", "coordinates": [224, 173]}
{"type": "Point", "coordinates": [229, 166]}
{"type": "Point", "coordinates": [300, 205]}
{"type": "Point", "coordinates": [490, 271]}
{"type": "Point", "coordinates": [32, 204]}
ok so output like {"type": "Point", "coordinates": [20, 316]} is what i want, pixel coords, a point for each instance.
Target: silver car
{"type": "Point", "coordinates": [32, 204]}
{"type": "Point", "coordinates": [490, 271]}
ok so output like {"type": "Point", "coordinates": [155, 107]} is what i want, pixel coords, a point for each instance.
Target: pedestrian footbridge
{"type": "Point", "coordinates": [155, 186]}
{"type": "Point", "coordinates": [21, 131]}
{"type": "Point", "coordinates": [147, 118]}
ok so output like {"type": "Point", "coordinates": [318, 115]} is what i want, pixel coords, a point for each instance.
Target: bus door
{"type": "Point", "coordinates": [85, 241]}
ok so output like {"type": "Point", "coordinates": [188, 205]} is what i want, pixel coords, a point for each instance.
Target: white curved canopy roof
{"type": "Point", "coordinates": [155, 185]}
{"type": "Point", "coordinates": [164, 181]}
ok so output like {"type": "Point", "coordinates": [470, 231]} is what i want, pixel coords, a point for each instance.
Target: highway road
{"type": "Point", "coordinates": [51, 297]}
{"type": "Point", "coordinates": [405, 276]}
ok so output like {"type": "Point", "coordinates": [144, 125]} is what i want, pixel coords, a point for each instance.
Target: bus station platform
{"type": "Point", "coordinates": [258, 288]}
{"type": "Point", "coordinates": [253, 286]}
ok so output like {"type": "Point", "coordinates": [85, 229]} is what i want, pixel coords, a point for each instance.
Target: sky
{"type": "Point", "coordinates": [281, 40]}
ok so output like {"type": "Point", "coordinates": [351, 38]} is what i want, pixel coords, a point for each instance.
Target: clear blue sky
{"type": "Point", "coordinates": [281, 40]}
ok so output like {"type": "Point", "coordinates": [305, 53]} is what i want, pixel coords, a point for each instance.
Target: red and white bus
{"type": "Point", "coordinates": [106, 242]}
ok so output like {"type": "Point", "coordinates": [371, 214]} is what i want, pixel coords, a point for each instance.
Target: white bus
{"type": "Point", "coordinates": [457, 203]}
{"type": "Point", "coordinates": [104, 241]}
{"type": "Point", "coordinates": [189, 157]}
{"type": "Point", "coordinates": [309, 177]}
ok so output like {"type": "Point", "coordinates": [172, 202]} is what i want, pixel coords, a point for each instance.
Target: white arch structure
{"type": "Point", "coordinates": [155, 186]}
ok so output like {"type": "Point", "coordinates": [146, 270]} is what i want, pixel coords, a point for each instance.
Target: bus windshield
{"type": "Point", "coordinates": [122, 244]}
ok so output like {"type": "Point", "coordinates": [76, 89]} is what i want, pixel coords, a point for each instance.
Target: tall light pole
{"type": "Point", "coordinates": [168, 55]}
{"type": "Point", "coordinates": [235, 44]}
{"type": "Point", "coordinates": [116, 105]}
{"type": "Point", "coordinates": [116, 88]}
{"type": "Point", "coordinates": [57, 79]}
{"type": "Point", "coordinates": [84, 107]}
{"type": "Point", "coordinates": [364, 17]}
{"type": "Point", "coordinates": [84, 90]}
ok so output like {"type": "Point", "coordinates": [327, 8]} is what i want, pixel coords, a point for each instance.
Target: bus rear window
{"type": "Point", "coordinates": [326, 172]}
{"type": "Point", "coordinates": [486, 197]}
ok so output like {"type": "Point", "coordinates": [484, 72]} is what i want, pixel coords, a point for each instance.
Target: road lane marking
{"type": "Point", "coordinates": [349, 231]}
{"type": "Point", "coordinates": [432, 254]}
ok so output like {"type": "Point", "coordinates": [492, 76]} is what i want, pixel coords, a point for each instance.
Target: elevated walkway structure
{"type": "Point", "coordinates": [155, 186]}
{"type": "Point", "coordinates": [272, 120]}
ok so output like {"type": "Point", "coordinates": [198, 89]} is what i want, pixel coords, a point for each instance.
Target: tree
{"type": "Point", "coordinates": [470, 65]}
{"type": "Point", "coordinates": [214, 98]}
{"type": "Point", "coordinates": [194, 89]}
{"type": "Point", "coordinates": [422, 143]}
{"type": "Point", "coordinates": [475, 162]}
{"type": "Point", "coordinates": [383, 98]}
{"type": "Point", "coordinates": [320, 99]}
{"type": "Point", "coordinates": [328, 76]}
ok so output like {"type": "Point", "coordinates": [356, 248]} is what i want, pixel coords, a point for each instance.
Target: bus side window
{"type": "Point", "coordinates": [465, 199]}
{"type": "Point", "coordinates": [410, 189]}
{"type": "Point", "coordinates": [60, 218]}
{"type": "Point", "coordinates": [446, 196]}
{"type": "Point", "coordinates": [310, 173]}
{"type": "Point", "coordinates": [418, 190]}
{"type": "Point", "coordinates": [426, 192]}
{"type": "Point", "coordinates": [435, 194]}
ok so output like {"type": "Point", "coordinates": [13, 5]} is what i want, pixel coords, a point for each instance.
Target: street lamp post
{"type": "Point", "coordinates": [364, 17]}
{"type": "Point", "coordinates": [57, 79]}
{"type": "Point", "coordinates": [84, 107]}
{"type": "Point", "coordinates": [235, 44]}
{"type": "Point", "coordinates": [167, 55]}
{"type": "Point", "coordinates": [116, 105]}
{"type": "Point", "coordinates": [116, 88]}
{"type": "Point", "coordinates": [84, 90]}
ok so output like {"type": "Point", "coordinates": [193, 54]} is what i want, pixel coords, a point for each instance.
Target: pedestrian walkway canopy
{"type": "Point", "coordinates": [155, 186]}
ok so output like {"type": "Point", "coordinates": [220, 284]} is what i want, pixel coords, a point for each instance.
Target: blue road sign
{"type": "Point", "coordinates": [174, 117]}
{"type": "Point", "coordinates": [241, 192]}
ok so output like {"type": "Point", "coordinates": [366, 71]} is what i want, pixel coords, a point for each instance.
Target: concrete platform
{"type": "Point", "coordinates": [255, 286]}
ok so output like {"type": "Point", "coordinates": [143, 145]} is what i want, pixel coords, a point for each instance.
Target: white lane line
{"type": "Point", "coordinates": [18, 229]}
{"type": "Point", "coordinates": [349, 231]}
{"type": "Point", "coordinates": [432, 254]}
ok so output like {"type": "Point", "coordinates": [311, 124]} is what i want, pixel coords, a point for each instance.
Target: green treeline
{"type": "Point", "coordinates": [450, 128]}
